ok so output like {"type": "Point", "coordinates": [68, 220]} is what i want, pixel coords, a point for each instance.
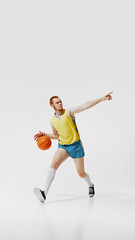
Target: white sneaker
{"type": "Point", "coordinates": [40, 194]}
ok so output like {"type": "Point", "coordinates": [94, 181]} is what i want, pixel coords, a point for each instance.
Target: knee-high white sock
{"type": "Point", "coordinates": [49, 178]}
{"type": "Point", "coordinates": [87, 179]}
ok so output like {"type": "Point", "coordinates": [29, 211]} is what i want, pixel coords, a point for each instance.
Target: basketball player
{"type": "Point", "coordinates": [69, 143]}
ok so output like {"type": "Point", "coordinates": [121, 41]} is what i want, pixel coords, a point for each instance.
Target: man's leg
{"type": "Point", "coordinates": [59, 157]}
{"type": "Point", "coordinates": [79, 163]}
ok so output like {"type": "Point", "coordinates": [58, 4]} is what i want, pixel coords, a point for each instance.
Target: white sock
{"type": "Point", "coordinates": [49, 179]}
{"type": "Point", "coordinates": [87, 179]}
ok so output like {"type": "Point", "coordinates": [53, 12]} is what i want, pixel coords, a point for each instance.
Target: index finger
{"type": "Point", "coordinates": [108, 94]}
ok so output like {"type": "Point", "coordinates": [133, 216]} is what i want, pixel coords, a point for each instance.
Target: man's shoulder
{"type": "Point", "coordinates": [68, 111]}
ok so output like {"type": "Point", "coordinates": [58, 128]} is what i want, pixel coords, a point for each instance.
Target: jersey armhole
{"type": "Point", "coordinates": [69, 115]}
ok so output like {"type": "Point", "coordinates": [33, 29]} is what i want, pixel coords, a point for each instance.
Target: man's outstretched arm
{"type": "Point", "coordinates": [88, 104]}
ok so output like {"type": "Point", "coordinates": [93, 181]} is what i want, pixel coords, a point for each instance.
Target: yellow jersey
{"type": "Point", "coordinates": [66, 128]}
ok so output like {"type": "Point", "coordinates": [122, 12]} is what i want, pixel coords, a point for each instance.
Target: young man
{"type": "Point", "coordinates": [69, 142]}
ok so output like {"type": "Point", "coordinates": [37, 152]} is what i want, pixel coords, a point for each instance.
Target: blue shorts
{"type": "Point", "coordinates": [75, 150]}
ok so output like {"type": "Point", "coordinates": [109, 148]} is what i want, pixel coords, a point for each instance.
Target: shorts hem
{"type": "Point", "coordinates": [77, 157]}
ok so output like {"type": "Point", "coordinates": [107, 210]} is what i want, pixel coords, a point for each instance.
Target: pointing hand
{"type": "Point", "coordinates": [108, 96]}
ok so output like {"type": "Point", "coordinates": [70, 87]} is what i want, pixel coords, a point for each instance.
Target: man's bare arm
{"type": "Point", "coordinates": [50, 135]}
{"type": "Point", "coordinates": [53, 135]}
{"type": "Point", "coordinates": [88, 105]}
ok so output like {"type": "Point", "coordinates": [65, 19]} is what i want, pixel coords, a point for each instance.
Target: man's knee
{"type": "Point", "coordinates": [56, 163]}
{"type": "Point", "coordinates": [82, 174]}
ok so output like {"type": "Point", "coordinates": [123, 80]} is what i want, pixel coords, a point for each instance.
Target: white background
{"type": "Point", "coordinates": [80, 51]}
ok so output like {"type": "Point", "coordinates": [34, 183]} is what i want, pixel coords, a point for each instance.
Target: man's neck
{"type": "Point", "coordinates": [59, 113]}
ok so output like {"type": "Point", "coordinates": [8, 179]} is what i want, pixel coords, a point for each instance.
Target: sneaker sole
{"type": "Point", "coordinates": [91, 195]}
{"type": "Point", "coordinates": [38, 194]}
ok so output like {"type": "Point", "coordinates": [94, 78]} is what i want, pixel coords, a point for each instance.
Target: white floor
{"type": "Point", "coordinates": [71, 217]}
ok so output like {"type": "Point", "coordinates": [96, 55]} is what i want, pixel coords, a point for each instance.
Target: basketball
{"type": "Point", "coordinates": [44, 142]}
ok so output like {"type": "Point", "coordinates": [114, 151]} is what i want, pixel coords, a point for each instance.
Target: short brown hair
{"type": "Point", "coordinates": [51, 99]}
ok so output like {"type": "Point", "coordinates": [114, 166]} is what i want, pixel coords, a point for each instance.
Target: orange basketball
{"type": "Point", "coordinates": [44, 142]}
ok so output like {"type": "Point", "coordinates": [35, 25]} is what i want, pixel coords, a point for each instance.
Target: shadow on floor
{"type": "Point", "coordinates": [66, 200]}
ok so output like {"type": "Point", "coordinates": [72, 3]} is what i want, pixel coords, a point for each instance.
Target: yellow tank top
{"type": "Point", "coordinates": [66, 128]}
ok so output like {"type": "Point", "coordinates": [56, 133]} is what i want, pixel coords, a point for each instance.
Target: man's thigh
{"type": "Point", "coordinates": [59, 157]}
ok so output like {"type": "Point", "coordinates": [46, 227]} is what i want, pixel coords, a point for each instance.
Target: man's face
{"type": "Point", "coordinates": [57, 104]}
